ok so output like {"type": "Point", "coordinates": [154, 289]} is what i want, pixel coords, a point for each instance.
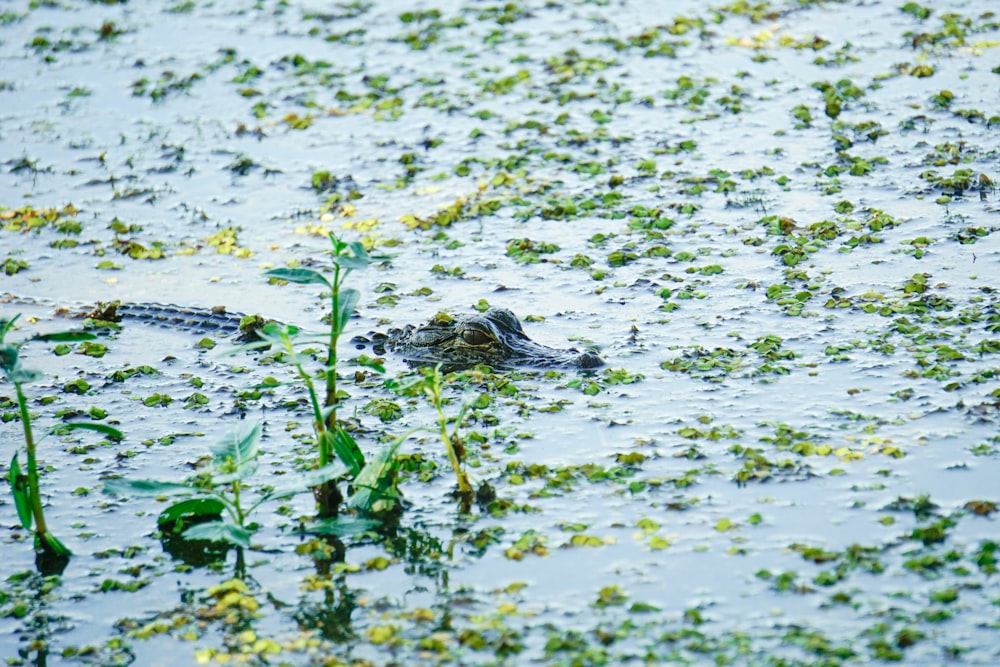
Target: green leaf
{"type": "Point", "coordinates": [305, 480]}
{"type": "Point", "coordinates": [299, 276]}
{"type": "Point", "coordinates": [20, 375]}
{"type": "Point", "coordinates": [22, 492]}
{"type": "Point", "coordinates": [241, 445]}
{"type": "Point", "coordinates": [147, 487]}
{"type": "Point", "coordinates": [410, 386]}
{"type": "Point", "coordinates": [279, 330]}
{"type": "Point", "coordinates": [109, 431]}
{"type": "Point", "coordinates": [192, 507]}
{"type": "Point", "coordinates": [346, 302]}
{"type": "Point", "coordinates": [356, 263]}
{"type": "Point", "coordinates": [219, 531]}
{"type": "Point", "coordinates": [8, 357]}
{"type": "Point", "coordinates": [347, 450]}
{"type": "Point", "coordinates": [64, 337]}
{"type": "Point", "coordinates": [356, 258]}
{"type": "Point", "coordinates": [377, 481]}
{"type": "Point", "coordinates": [6, 325]}
{"type": "Point", "coordinates": [326, 411]}
{"type": "Point", "coordinates": [358, 250]}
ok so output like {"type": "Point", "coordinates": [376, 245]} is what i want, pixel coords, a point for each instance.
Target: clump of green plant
{"type": "Point", "coordinates": [293, 344]}
{"type": "Point", "coordinates": [51, 555]}
{"type": "Point", "coordinates": [431, 384]}
{"type": "Point", "coordinates": [219, 511]}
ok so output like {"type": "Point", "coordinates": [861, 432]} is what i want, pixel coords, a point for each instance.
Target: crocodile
{"type": "Point", "coordinates": [494, 338]}
{"type": "Point", "coordinates": [203, 321]}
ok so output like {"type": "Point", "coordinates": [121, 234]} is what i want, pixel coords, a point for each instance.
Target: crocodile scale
{"type": "Point", "coordinates": [184, 318]}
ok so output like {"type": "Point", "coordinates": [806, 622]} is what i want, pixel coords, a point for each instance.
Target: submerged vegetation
{"type": "Point", "coordinates": [775, 220]}
{"type": "Point", "coordinates": [331, 437]}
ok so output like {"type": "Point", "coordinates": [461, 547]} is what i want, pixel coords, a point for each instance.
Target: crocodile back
{"type": "Point", "coordinates": [193, 320]}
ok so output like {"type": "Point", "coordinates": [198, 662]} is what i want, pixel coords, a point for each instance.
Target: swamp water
{"type": "Point", "coordinates": [776, 221]}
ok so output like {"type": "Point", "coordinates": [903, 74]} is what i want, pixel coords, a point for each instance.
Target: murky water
{"type": "Point", "coordinates": [777, 222]}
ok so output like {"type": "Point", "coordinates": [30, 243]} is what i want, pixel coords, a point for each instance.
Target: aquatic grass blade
{"type": "Point", "coordinates": [219, 531]}
{"type": "Point", "coordinates": [6, 325]}
{"type": "Point", "coordinates": [109, 431]}
{"type": "Point", "coordinates": [146, 487]}
{"type": "Point", "coordinates": [299, 276]}
{"type": "Point", "coordinates": [21, 491]}
{"type": "Point", "coordinates": [347, 450]}
{"type": "Point", "coordinates": [192, 507]}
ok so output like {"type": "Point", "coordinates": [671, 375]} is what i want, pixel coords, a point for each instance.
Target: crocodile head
{"type": "Point", "coordinates": [494, 338]}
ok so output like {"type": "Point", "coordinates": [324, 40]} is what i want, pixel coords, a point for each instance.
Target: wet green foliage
{"type": "Point", "coordinates": [431, 383]}
{"type": "Point", "coordinates": [331, 438]}
{"type": "Point", "coordinates": [51, 554]}
{"type": "Point", "coordinates": [218, 511]}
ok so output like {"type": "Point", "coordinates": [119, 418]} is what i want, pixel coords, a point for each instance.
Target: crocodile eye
{"type": "Point", "coordinates": [476, 337]}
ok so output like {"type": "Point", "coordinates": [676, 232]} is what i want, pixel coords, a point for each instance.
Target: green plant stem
{"type": "Point", "coordinates": [336, 326]}
{"type": "Point", "coordinates": [328, 489]}
{"type": "Point", "coordinates": [318, 425]}
{"type": "Point", "coordinates": [464, 487]}
{"type": "Point", "coordinates": [239, 516]}
{"type": "Point", "coordinates": [29, 442]}
{"type": "Point", "coordinates": [463, 482]}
